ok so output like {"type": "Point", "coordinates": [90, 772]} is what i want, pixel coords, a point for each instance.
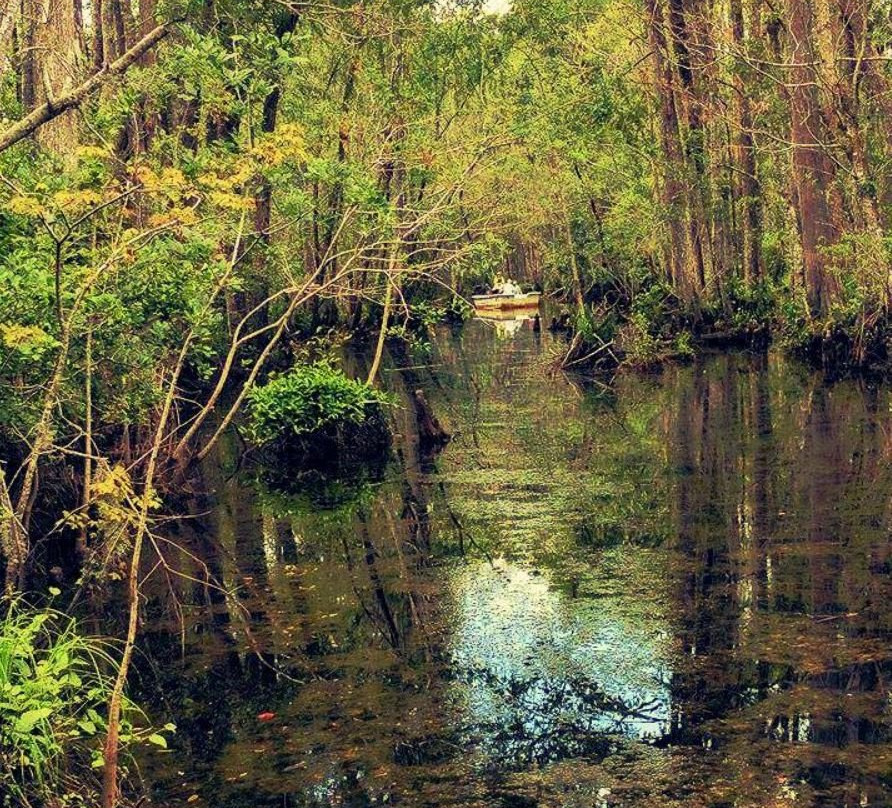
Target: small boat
{"type": "Point", "coordinates": [527, 300]}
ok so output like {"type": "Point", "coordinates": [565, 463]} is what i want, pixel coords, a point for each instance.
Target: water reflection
{"type": "Point", "coordinates": [544, 676]}
{"type": "Point", "coordinates": [510, 322]}
{"type": "Point", "coordinates": [675, 592]}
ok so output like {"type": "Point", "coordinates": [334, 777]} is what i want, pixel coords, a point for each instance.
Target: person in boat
{"type": "Point", "coordinates": [505, 286]}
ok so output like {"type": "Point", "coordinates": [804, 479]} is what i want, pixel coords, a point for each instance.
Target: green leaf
{"type": "Point", "coordinates": [30, 719]}
{"type": "Point", "coordinates": [158, 740]}
{"type": "Point", "coordinates": [87, 726]}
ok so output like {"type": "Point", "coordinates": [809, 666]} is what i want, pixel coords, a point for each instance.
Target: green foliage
{"type": "Point", "coordinates": [54, 689]}
{"type": "Point", "coordinates": [752, 305]}
{"type": "Point", "coordinates": [595, 328]}
{"type": "Point", "coordinates": [639, 346]}
{"type": "Point", "coordinates": [796, 329]}
{"type": "Point", "coordinates": [310, 399]}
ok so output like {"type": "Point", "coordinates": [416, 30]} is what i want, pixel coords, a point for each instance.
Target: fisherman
{"type": "Point", "coordinates": [504, 286]}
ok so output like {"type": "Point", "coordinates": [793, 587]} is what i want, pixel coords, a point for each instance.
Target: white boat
{"type": "Point", "coordinates": [528, 300]}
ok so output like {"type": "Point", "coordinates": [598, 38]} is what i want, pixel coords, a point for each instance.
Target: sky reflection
{"type": "Point", "coordinates": [551, 668]}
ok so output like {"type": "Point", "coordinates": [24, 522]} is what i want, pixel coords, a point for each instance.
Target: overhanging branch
{"type": "Point", "coordinates": [75, 97]}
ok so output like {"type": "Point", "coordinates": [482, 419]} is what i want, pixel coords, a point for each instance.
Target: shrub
{"type": "Point", "coordinates": [639, 347]}
{"type": "Point", "coordinates": [310, 399]}
{"type": "Point", "coordinates": [54, 687]}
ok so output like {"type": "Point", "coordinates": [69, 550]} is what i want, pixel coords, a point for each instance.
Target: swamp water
{"type": "Point", "coordinates": [674, 592]}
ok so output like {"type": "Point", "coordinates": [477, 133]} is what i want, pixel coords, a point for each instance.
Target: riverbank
{"type": "Point", "coordinates": [651, 331]}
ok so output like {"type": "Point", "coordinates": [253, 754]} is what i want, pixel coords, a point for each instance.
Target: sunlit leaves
{"type": "Point", "coordinates": [28, 340]}
{"type": "Point", "coordinates": [24, 205]}
{"type": "Point", "coordinates": [54, 685]}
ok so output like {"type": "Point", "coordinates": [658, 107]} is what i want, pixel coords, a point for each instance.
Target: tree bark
{"type": "Point", "coordinates": [681, 270]}
{"type": "Point", "coordinates": [748, 190]}
{"type": "Point", "coordinates": [13, 542]}
{"type": "Point", "coordinates": [689, 66]}
{"type": "Point", "coordinates": [811, 167]}
{"type": "Point", "coordinates": [54, 62]}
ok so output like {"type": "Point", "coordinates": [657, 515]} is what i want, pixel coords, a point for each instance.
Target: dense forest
{"type": "Point", "coordinates": [198, 195]}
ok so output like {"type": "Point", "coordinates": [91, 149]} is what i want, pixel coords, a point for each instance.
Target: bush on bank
{"type": "Point", "coordinates": [54, 689]}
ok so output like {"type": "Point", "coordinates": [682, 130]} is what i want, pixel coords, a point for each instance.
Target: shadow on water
{"type": "Point", "coordinates": [674, 593]}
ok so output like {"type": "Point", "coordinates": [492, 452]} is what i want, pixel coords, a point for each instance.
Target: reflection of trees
{"type": "Point", "coordinates": [781, 513]}
{"type": "Point", "coordinates": [773, 527]}
{"type": "Point", "coordinates": [282, 591]}
{"type": "Point", "coordinates": [706, 442]}
{"type": "Point", "coordinates": [544, 719]}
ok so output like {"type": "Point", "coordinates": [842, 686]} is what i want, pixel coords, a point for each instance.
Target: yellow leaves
{"type": "Point", "coordinates": [113, 498]}
{"type": "Point", "coordinates": [29, 340]}
{"type": "Point", "coordinates": [92, 153]}
{"type": "Point", "coordinates": [149, 179]}
{"type": "Point", "coordinates": [170, 181]}
{"type": "Point", "coordinates": [24, 206]}
{"type": "Point", "coordinates": [237, 175]}
{"type": "Point", "coordinates": [286, 143]}
{"type": "Point", "coordinates": [175, 215]}
{"type": "Point", "coordinates": [71, 201]}
{"type": "Point", "coordinates": [226, 186]}
{"type": "Point", "coordinates": [153, 500]}
{"type": "Point", "coordinates": [114, 513]}
{"type": "Point", "coordinates": [115, 483]}
{"type": "Point", "coordinates": [229, 201]}
{"type": "Point", "coordinates": [76, 520]}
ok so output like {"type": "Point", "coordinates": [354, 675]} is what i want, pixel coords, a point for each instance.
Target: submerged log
{"type": "Point", "coordinates": [430, 431]}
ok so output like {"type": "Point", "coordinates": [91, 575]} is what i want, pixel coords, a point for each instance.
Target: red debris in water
{"type": "Point", "coordinates": [265, 716]}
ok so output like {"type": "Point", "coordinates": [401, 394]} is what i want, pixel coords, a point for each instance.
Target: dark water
{"type": "Point", "coordinates": [674, 592]}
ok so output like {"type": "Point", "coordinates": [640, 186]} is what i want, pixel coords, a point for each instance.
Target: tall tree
{"type": "Point", "coordinates": [681, 257]}
{"type": "Point", "coordinates": [747, 189]}
{"type": "Point", "coordinates": [812, 170]}
{"type": "Point", "coordinates": [52, 65]}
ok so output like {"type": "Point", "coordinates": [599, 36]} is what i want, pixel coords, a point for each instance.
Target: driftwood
{"type": "Point", "coordinates": [75, 97]}
{"type": "Point", "coordinates": [430, 431]}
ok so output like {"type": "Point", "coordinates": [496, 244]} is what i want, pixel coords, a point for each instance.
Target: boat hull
{"type": "Point", "coordinates": [506, 302]}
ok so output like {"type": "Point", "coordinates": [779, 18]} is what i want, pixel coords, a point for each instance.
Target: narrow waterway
{"type": "Point", "coordinates": [670, 592]}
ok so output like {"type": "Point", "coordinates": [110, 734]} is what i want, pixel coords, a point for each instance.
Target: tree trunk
{"type": "Point", "coordinates": [9, 16]}
{"type": "Point", "coordinates": [53, 66]}
{"type": "Point", "coordinates": [687, 60]}
{"type": "Point", "coordinates": [812, 169]}
{"type": "Point", "coordinates": [748, 191]}
{"type": "Point", "coordinates": [13, 542]}
{"type": "Point", "coordinates": [681, 267]}
{"type": "Point", "coordinates": [114, 32]}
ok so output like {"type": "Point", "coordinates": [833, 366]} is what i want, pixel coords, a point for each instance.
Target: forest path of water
{"type": "Point", "coordinates": [672, 592]}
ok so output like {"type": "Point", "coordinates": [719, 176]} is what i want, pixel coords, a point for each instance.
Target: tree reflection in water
{"type": "Point", "coordinates": [673, 594]}
{"type": "Point", "coordinates": [543, 677]}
